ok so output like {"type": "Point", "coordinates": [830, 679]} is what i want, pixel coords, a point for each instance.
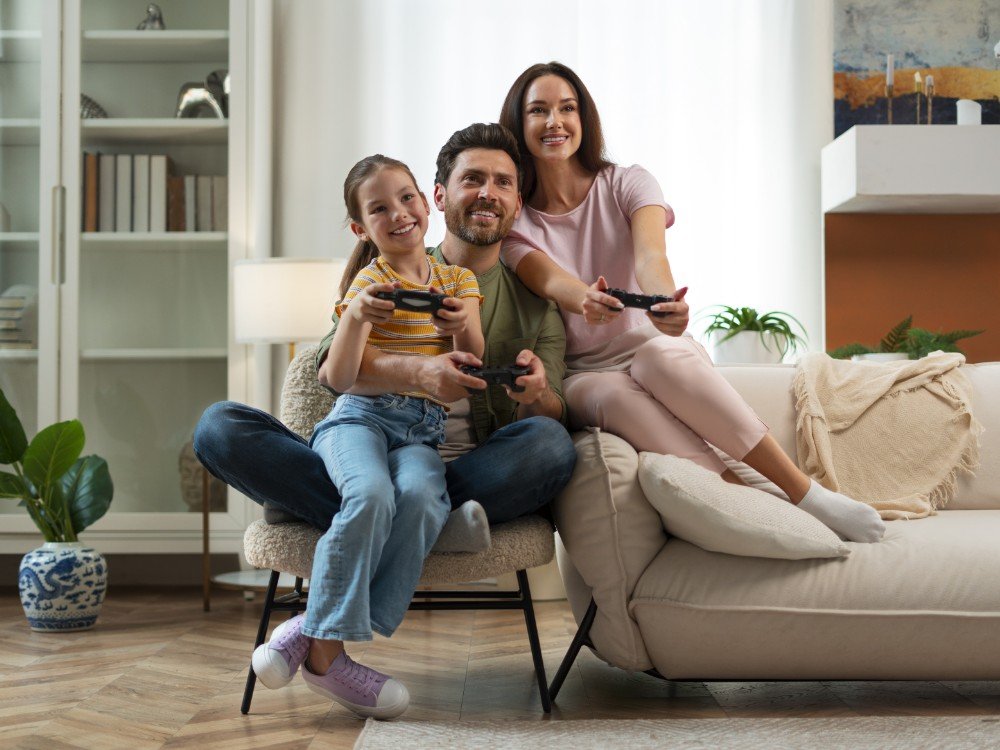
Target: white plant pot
{"type": "Point", "coordinates": [880, 357]}
{"type": "Point", "coordinates": [745, 347]}
{"type": "Point", "coordinates": [62, 586]}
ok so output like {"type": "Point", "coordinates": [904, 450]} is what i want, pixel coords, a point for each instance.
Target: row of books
{"type": "Point", "coordinates": [18, 317]}
{"type": "Point", "coordinates": [140, 193]}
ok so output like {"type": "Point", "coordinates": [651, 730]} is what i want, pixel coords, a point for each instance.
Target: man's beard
{"type": "Point", "coordinates": [459, 223]}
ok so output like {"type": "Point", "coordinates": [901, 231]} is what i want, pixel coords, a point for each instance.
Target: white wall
{"type": "Point", "coordinates": [727, 102]}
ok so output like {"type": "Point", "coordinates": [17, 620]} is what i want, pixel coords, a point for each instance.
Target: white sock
{"type": "Point", "coordinates": [466, 530]}
{"type": "Point", "coordinates": [855, 521]}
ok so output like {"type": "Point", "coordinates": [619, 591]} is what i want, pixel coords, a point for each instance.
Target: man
{"type": "Point", "coordinates": [506, 450]}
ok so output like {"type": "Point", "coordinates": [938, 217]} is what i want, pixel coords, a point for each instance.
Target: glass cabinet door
{"type": "Point", "coordinates": [146, 351]}
{"type": "Point", "coordinates": [30, 205]}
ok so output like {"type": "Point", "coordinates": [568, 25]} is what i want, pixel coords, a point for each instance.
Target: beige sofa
{"type": "Point", "coordinates": [922, 604]}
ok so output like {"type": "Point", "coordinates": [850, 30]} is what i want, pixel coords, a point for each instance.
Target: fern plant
{"type": "Point", "coordinates": [920, 342]}
{"type": "Point", "coordinates": [914, 342]}
{"type": "Point", "coordinates": [893, 342]}
{"type": "Point", "coordinates": [733, 320]}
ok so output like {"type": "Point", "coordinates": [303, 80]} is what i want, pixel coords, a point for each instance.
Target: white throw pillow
{"type": "Point", "coordinates": [699, 506]}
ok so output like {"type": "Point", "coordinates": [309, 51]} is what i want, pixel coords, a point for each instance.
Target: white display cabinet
{"type": "Point", "coordinates": [134, 332]}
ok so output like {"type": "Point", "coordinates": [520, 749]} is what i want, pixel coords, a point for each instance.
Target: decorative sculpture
{"type": "Point", "coordinates": [153, 20]}
{"type": "Point", "coordinates": [205, 99]}
{"type": "Point", "coordinates": [89, 109]}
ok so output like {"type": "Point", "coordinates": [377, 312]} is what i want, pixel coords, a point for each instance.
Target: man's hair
{"type": "Point", "coordinates": [490, 135]}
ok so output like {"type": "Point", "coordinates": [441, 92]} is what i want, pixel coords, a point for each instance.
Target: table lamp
{"type": "Point", "coordinates": [284, 300]}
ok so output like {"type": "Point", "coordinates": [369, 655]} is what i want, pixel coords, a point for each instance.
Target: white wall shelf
{"type": "Point", "coordinates": [154, 130]}
{"type": "Point", "coordinates": [155, 46]}
{"type": "Point", "coordinates": [19, 132]}
{"type": "Point", "coordinates": [122, 354]}
{"type": "Point", "coordinates": [920, 169]}
{"type": "Point", "coordinates": [20, 46]}
{"type": "Point", "coordinates": [155, 241]}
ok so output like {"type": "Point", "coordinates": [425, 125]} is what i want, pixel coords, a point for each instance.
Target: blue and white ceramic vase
{"type": "Point", "coordinates": [62, 586]}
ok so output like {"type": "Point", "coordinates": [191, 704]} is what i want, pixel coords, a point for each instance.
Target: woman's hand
{"type": "Point", "coordinates": [677, 322]}
{"type": "Point", "coordinates": [452, 318]}
{"type": "Point", "coordinates": [600, 308]}
{"type": "Point", "coordinates": [367, 308]}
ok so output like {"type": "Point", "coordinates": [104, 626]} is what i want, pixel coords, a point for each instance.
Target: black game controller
{"type": "Point", "coordinates": [414, 300]}
{"type": "Point", "coordinates": [498, 375]}
{"type": "Point", "coordinates": [642, 301]}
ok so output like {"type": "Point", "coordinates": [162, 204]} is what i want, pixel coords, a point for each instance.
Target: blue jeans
{"type": "Point", "coordinates": [517, 470]}
{"type": "Point", "coordinates": [381, 452]}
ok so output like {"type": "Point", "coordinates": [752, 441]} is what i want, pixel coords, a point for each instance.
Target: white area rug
{"type": "Point", "coordinates": [888, 733]}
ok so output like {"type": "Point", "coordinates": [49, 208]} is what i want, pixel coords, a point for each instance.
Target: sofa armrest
{"type": "Point", "coordinates": [611, 534]}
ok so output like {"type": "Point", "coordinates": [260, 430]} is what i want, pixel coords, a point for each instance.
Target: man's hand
{"type": "Point", "coordinates": [441, 377]}
{"type": "Point", "coordinates": [676, 323]}
{"type": "Point", "coordinates": [534, 383]}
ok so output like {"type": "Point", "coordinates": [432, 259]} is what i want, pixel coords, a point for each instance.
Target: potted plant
{"type": "Point", "coordinates": [741, 334]}
{"type": "Point", "coordinates": [905, 342]}
{"type": "Point", "coordinates": [62, 583]}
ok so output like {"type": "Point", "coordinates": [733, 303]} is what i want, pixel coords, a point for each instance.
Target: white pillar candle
{"type": "Point", "coordinates": [888, 70]}
{"type": "Point", "coordinates": [968, 112]}
{"type": "Point", "coordinates": [929, 83]}
{"type": "Point", "coordinates": [917, 82]}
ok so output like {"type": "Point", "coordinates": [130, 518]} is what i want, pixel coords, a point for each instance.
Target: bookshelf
{"type": "Point", "coordinates": [134, 336]}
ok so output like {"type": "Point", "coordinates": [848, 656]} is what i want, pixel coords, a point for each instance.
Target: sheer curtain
{"type": "Point", "coordinates": [727, 102]}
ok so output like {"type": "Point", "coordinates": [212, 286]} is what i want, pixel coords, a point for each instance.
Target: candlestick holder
{"type": "Point", "coordinates": [917, 92]}
{"type": "Point", "coordinates": [930, 104]}
{"type": "Point", "coordinates": [888, 102]}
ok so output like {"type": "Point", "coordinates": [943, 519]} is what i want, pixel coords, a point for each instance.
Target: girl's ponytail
{"type": "Point", "coordinates": [364, 253]}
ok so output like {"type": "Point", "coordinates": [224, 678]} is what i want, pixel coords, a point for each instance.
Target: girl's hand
{"type": "Point", "coordinates": [452, 318]}
{"type": "Point", "coordinates": [367, 308]}
{"type": "Point", "coordinates": [677, 322]}
{"type": "Point", "coordinates": [600, 308]}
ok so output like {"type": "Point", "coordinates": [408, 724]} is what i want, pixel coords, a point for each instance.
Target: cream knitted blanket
{"type": "Point", "coordinates": [893, 435]}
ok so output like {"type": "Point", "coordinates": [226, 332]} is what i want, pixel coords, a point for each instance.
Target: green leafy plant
{"type": "Point", "coordinates": [63, 492]}
{"type": "Point", "coordinates": [733, 320]}
{"type": "Point", "coordinates": [903, 338]}
{"type": "Point", "coordinates": [921, 342]}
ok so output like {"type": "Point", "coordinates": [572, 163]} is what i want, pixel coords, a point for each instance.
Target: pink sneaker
{"type": "Point", "coordinates": [359, 688]}
{"type": "Point", "coordinates": [276, 661]}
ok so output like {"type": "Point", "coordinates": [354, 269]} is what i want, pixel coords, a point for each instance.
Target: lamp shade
{"type": "Point", "coordinates": [283, 300]}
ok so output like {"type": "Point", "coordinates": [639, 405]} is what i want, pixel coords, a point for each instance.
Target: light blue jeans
{"type": "Point", "coordinates": [381, 453]}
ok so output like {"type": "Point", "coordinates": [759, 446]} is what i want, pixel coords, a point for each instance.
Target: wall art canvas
{"type": "Point", "coordinates": [951, 40]}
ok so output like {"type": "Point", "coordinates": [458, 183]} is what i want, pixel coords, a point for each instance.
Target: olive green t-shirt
{"type": "Point", "coordinates": [513, 319]}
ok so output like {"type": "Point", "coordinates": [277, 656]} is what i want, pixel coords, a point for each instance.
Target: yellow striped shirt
{"type": "Point", "coordinates": [412, 332]}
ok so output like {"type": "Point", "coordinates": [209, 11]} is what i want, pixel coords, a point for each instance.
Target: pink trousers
{"type": "Point", "coordinates": [671, 401]}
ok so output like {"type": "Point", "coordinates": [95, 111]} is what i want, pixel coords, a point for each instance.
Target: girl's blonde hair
{"type": "Point", "coordinates": [365, 251]}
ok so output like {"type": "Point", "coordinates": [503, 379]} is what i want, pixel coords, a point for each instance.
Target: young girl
{"type": "Point", "coordinates": [630, 373]}
{"type": "Point", "coordinates": [380, 450]}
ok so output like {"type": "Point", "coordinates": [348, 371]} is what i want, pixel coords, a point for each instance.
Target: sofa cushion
{"type": "Point", "coordinates": [923, 604]}
{"type": "Point", "coordinates": [700, 507]}
{"type": "Point", "coordinates": [981, 490]}
{"type": "Point", "coordinates": [611, 533]}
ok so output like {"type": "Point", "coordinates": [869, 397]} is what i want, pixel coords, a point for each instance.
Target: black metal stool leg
{"type": "Point", "coordinates": [265, 618]}
{"type": "Point", "coordinates": [536, 647]}
{"type": "Point", "coordinates": [579, 640]}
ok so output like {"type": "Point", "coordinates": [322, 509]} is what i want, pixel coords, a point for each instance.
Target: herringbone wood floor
{"type": "Point", "coordinates": [158, 672]}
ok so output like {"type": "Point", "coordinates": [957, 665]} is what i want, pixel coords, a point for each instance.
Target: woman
{"type": "Point", "coordinates": [629, 372]}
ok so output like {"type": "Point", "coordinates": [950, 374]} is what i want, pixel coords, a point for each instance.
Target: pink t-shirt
{"type": "Point", "coordinates": [594, 239]}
